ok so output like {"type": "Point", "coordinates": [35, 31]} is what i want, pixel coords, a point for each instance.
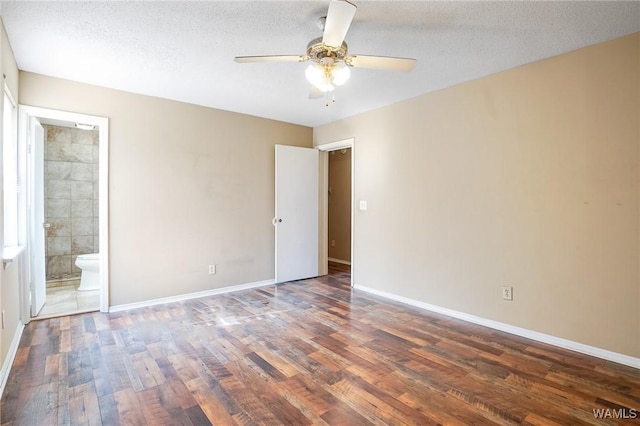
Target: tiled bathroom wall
{"type": "Point", "coordinates": [71, 198]}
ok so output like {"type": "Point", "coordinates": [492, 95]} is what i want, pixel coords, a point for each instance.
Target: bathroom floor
{"type": "Point", "coordinates": [66, 299]}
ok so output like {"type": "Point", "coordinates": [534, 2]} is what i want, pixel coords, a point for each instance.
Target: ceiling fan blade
{"type": "Point", "coordinates": [339, 17]}
{"type": "Point", "coordinates": [381, 62]}
{"type": "Point", "coordinates": [271, 58]}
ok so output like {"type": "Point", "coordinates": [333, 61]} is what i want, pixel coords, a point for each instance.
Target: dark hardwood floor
{"type": "Point", "coordinates": [337, 268]}
{"type": "Point", "coordinates": [308, 352]}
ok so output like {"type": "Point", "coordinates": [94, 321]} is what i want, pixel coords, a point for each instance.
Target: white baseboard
{"type": "Point", "coordinates": [344, 262]}
{"type": "Point", "coordinates": [196, 295]}
{"type": "Point", "coordinates": [529, 334]}
{"type": "Point", "coordinates": [11, 356]}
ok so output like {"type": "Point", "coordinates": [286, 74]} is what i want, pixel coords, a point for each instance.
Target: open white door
{"type": "Point", "coordinates": [37, 230]}
{"type": "Point", "coordinates": [296, 219]}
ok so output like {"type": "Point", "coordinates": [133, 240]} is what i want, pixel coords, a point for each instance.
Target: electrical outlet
{"type": "Point", "coordinates": [333, 243]}
{"type": "Point", "coordinates": [212, 269]}
{"type": "Point", "coordinates": [507, 293]}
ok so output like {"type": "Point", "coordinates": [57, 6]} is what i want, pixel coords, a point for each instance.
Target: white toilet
{"type": "Point", "coordinates": [90, 265]}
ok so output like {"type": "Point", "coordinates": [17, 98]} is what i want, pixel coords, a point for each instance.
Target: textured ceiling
{"type": "Point", "coordinates": [184, 50]}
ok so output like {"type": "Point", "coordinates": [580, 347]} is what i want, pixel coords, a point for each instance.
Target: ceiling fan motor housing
{"type": "Point", "coordinates": [317, 51]}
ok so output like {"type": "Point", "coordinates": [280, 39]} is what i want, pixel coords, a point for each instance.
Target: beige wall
{"type": "Point", "coordinates": [189, 186]}
{"type": "Point", "coordinates": [9, 278]}
{"type": "Point", "coordinates": [527, 178]}
{"type": "Point", "coordinates": [339, 204]}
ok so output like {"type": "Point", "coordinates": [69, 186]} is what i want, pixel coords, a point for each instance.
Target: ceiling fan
{"type": "Point", "coordinates": [331, 61]}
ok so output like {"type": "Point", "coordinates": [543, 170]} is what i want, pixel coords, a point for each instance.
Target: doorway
{"type": "Point", "coordinates": [339, 210]}
{"type": "Point", "coordinates": [67, 195]}
{"type": "Point", "coordinates": [337, 214]}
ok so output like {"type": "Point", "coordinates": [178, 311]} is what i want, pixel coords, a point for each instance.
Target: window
{"type": "Point", "coordinates": [10, 171]}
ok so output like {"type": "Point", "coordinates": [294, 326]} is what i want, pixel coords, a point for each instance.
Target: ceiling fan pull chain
{"type": "Point", "coordinates": [326, 99]}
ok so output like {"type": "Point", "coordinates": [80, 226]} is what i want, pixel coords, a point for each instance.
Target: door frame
{"type": "Point", "coordinates": [323, 226]}
{"type": "Point", "coordinates": [25, 113]}
{"type": "Point", "coordinates": [36, 214]}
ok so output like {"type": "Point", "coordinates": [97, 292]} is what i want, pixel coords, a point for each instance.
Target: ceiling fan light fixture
{"type": "Point", "coordinates": [320, 77]}
{"type": "Point", "coordinates": [340, 73]}
{"type": "Point", "coordinates": [325, 76]}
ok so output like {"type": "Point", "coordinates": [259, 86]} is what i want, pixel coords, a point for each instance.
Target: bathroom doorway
{"type": "Point", "coordinates": [67, 206]}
